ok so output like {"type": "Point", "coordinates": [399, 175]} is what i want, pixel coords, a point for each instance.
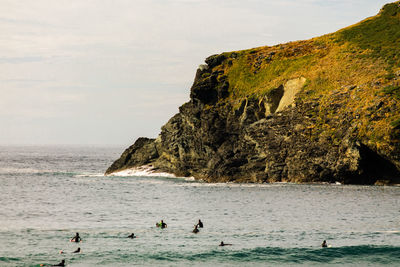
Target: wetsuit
{"type": "Point", "coordinates": [132, 236]}
{"type": "Point", "coordinates": [76, 238]}
{"type": "Point", "coordinates": [62, 263]}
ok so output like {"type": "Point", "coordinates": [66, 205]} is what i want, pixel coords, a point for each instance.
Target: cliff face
{"type": "Point", "coordinates": [321, 110]}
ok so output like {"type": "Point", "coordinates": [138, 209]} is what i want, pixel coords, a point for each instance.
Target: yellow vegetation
{"type": "Point", "coordinates": [359, 61]}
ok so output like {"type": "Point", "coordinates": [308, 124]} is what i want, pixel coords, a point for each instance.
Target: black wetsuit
{"type": "Point", "coordinates": [200, 224]}
{"type": "Point", "coordinates": [62, 263]}
{"type": "Point", "coordinates": [76, 238]}
{"type": "Point", "coordinates": [132, 236]}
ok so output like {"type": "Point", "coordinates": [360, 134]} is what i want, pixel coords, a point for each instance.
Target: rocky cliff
{"type": "Point", "coordinates": [321, 110]}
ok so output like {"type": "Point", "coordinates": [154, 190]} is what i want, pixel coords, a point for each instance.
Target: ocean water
{"type": "Point", "coordinates": [47, 194]}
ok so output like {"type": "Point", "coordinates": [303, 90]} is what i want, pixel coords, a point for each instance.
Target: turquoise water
{"type": "Point", "coordinates": [49, 193]}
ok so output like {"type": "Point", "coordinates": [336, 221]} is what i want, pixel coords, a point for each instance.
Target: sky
{"type": "Point", "coordinates": [105, 72]}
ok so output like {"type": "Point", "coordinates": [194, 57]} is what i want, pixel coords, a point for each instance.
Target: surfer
{"type": "Point", "coordinates": [76, 238]}
{"type": "Point", "coordinates": [132, 236]}
{"type": "Point", "coordinates": [200, 224]}
{"type": "Point", "coordinates": [162, 224]}
{"type": "Point", "coordinates": [62, 263]}
{"type": "Point", "coordinates": [223, 244]}
{"type": "Point", "coordinates": [324, 244]}
{"type": "Point", "coordinates": [195, 230]}
{"type": "Point", "coordinates": [78, 250]}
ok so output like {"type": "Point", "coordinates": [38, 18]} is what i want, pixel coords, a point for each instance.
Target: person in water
{"type": "Point", "coordinates": [195, 230]}
{"type": "Point", "coordinates": [324, 244]}
{"type": "Point", "coordinates": [162, 224]}
{"type": "Point", "coordinates": [62, 263]}
{"type": "Point", "coordinates": [132, 236]}
{"type": "Point", "coordinates": [76, 238]}
{"type": "Point", "coordinates": [78, 250]}
{"type": "Point", "coordinates": [200, 224]}
{"type": "Point", "coordinates": [223, 244]}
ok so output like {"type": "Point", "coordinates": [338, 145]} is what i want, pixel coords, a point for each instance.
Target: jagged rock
{"type": "Point", "coordinates": [215, 60]}
{"type": "Point", "coordinates": [203, 67]}
{"type": "Point", "coordinates": [142, 152]}
{"type": "Point", "coordinates": [249, 144]}
{"type": "Point", "coordinates": [290, 127]}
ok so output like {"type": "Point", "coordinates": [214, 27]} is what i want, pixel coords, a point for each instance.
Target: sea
{"type": "Point", "coordinates": [49, 193]}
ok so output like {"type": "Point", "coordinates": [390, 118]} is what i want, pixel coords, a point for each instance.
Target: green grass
{"type": "Point", "coordinates": [392, 90]}
{"type": "Point", "coordinates": [349, 70]}
{"type": "Point", "coordinates": [395, 124]}
{"type": "Point", "coordinates": [357, 54]}
{"type": "Point", "coordinates": [373, 41]}
{"type": "Point", "coordinates": [379, 35]}
{"type": "Point", "coordinates": [244, 81]}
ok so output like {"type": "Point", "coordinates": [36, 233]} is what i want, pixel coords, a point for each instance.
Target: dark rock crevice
{"type": "Point", "coordinates": [274, 98]}
{"type": "Point", "coordinates": [374, 168]}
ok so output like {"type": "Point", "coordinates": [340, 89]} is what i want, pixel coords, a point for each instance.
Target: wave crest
{"type": "Point", "coordinates": [146, 171]}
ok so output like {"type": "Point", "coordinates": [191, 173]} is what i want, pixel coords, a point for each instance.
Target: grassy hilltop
{"type": "Point", "coordinates": [363, 59]}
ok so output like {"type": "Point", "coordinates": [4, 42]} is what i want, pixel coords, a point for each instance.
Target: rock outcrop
{"type": "Point", "coordinates": [285, 113]}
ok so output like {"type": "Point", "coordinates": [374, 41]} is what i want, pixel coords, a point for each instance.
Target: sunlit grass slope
{"type": "Point", "coordinates": [361, 61]}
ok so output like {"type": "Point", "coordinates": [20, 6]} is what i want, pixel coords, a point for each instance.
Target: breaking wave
{"type": "Point", "coordinates": [146, 171]}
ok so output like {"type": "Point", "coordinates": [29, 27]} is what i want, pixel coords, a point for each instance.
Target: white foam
{"type": "Point", "coordinates": [231, 185]}
{"type": "Point", "coordinates": [146, 171]}
{"type": "Point", "coordinates": [90, 175]}
{"type": "Point", "coordinates": [389, 232]}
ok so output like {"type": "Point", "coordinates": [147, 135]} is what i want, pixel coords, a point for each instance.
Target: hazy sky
{"type": "Point", "coordinates": [109, 71]}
